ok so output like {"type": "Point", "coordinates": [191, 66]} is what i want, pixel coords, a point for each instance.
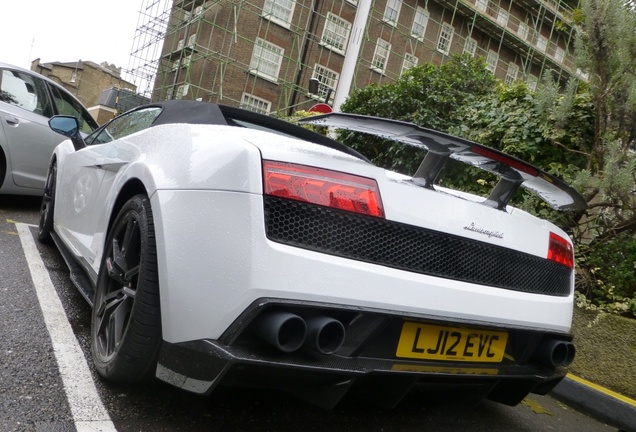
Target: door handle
{"type": "Point", "coordinates": [13, 121]}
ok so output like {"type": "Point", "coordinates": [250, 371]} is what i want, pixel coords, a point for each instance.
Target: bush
{"type": "Point", "coordinates": [607, 274]}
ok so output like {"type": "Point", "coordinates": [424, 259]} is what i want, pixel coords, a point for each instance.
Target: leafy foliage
{"type": "Point", "coordinates": [426, 95]}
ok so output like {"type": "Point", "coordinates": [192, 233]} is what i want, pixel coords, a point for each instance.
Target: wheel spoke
{"type": "Point", "coordinates": [112, 315]}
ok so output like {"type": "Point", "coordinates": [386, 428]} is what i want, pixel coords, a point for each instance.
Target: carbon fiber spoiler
{"type": "Point", "coordinates": [513, 172]}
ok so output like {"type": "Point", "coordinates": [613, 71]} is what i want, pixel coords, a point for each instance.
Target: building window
{"type": "Point", "coordinates": [542, 43]}
{"type": "Point", "coordinates": [266, 60]}
{"type": "Point", "coordinates": [502, 17]}
{"type": "Point", "coordinates": [481, 5]}
{"type": "Point", "coordinates": [522, 30]}
{"type": "Point", "coordinates": [73, 76]}
{"type": "Point", "coordinates": [192, 40]}
{"type": "Point", "coordinates": [491, 61]}
{"type": "Point", "coordinates": [327, 78]}
{"type": "Point", "coordinates": [559, 54]}
{"type": "Point", "coordinates": [409, 61]}
{"type": "Point", "coordinates": [419, 23]}
{"type": "Point", "coordinates": [470, 46]}
{"type": "Point", "coordinates": [336, 33]}
{"type": "Point", "coordinates": [353, 2]}
{"type": "Point", "coordinates": [182, 91]}
{"type": "Point", "coordinates": [511, 73]}
{"type": "Point", "coordinates": [253, 103]}
{"type": "Point", "coordinates": [445, 38]}
{"type": "Point", "coordinates": [532, 81]}
{"type": "Point", "coordinates": [381, 56]}
{"type": "Point", "coordinates": [279, 11]}
{"type": "Point", "coordinates": [392, 11]}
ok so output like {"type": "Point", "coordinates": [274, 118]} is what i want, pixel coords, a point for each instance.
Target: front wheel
{"type": "Point", "coordinates": [45, 226]}
{"type": "Point", "coordinates": [126, 320]}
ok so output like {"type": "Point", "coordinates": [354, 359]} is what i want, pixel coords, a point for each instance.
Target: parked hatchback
{"type": "Point", "coordinates": [27, 101]}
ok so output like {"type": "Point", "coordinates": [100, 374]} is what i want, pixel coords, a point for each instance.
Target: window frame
{"type": "Point", "coordinates": [325, 82]}
{"type": "Point", "coordinates": [247, 105]}
{"type": "Point", "coordinates": [511, 77]}
{"type": "Point", "coordinates": [338, 23]}
{"type": "Point", "coordinates": [420, 12]}
{"type": "Point", "coordinates": [481, 5]}
{"type": "Point", "coordinates": [542, 43]}
{"type": "Point", "coordinates": [503, 16]}
{"type": "Point", "coordinates": [449, 39]}
{"type": "Point", "coordinates": [106, 133]}
{"type": "Point", "coordinates": [261, 45]}
{"type": "Point", "coordinates": [474, 43]}
{"type": "Point", "coordinates": [490, 64]}
{"type": "Point", "coordinates": [395, 6]}
{"type": "Point", "coordinates": [381, 45]}
{"type": "Point", "coordinates": [410, 61]}
{"type": "Point", "coordinates": [281, 21]}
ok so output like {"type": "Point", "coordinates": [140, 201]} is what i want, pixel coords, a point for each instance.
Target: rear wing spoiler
{"type": "Point", "coordinates": [513, 172]}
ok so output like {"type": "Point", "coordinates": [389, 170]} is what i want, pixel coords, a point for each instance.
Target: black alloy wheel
{"type": "Point", "coordinates": [45, 226]}
{"type": "Point", "coordinates": [126, 321]}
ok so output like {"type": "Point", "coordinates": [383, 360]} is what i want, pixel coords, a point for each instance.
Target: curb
{"type": "Point", "coordinates": [603, 404]}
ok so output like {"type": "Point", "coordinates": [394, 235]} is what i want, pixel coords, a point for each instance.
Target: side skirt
{"type": "Point", "coordinates": [78, 275]}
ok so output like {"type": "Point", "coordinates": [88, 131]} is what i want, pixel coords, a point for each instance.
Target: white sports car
{"type": "Point", "coordinates": [217, 245]}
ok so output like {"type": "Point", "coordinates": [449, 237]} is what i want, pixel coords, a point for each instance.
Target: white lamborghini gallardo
{"type": "Point", "coordinates": [216, 245]}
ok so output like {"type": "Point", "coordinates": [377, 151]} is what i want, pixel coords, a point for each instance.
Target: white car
{"type": "Point", "coordinates": [217, 245]}
{"type": "Point", "coordinates": [27, 101]}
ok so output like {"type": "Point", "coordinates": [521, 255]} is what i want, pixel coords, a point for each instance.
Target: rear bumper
{"type": "Point", "coordinates": [365, 360]}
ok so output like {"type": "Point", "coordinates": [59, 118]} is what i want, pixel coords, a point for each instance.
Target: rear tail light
{"type": "Point", "coordinates": [560, 250]}
{"type": "Point", "coordinates": [323, 187]}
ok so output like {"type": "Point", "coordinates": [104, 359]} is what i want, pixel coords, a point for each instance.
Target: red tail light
{"type": "Point", "coordinates": [324, 187]}
{"type": "Point", "coordinates": [560, 250]}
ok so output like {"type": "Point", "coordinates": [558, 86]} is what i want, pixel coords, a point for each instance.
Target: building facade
{"type": "Point", "coordinates": [84, 79]}
{"type": "Point", "coordinates": [261, 54]}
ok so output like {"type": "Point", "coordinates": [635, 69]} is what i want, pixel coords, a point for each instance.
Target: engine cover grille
{"type": "Point", "coordinates": [411, 248]}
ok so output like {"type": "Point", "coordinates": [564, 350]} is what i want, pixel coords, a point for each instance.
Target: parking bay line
{"type": "Point", "coordinates": [89, 413]}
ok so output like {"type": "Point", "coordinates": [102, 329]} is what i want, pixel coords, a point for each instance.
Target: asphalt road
{"type": "Point", "coordinates": [47, 382]}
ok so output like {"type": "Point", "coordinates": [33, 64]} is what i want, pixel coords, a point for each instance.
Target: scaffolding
{"type": "Point", "coordinates": [261, 54]}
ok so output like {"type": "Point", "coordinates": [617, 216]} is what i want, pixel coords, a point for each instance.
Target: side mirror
{"type": "Point", "coordinates": [69, 127]}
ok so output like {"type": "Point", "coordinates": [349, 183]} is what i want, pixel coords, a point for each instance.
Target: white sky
{"type": "Point", "coordinates": [67, 31]}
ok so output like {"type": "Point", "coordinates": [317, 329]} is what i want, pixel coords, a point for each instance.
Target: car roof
{"type": "Point", "coordinates": [197, 112]}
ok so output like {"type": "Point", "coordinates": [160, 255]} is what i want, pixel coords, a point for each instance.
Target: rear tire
{"type": "Point", "coordinates": [45, 226]}
{"type": "Point", "coordinates": [126, 320]}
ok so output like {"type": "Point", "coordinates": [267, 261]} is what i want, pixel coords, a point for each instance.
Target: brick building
{"type": "Point", "coordinates": [84, 79]}
{"type": "Point", "coordinates": [261, 54]}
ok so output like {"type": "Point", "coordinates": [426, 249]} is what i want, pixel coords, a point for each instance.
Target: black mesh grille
{"type": "Point", "coordinates": [410, 248]}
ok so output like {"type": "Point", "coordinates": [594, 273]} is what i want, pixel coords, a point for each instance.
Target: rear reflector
{"type": "Point", "coordinates": [560, 250]}
{"type": "Point", "coordinates": [323, 187]}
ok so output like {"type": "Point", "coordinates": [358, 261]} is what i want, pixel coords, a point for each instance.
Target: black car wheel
{"type": "Point", "coordinates": [45, 227]}
{"type": "Point", "coordinates": [126, 322]}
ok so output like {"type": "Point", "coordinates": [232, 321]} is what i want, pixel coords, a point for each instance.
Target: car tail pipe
{"type": "Point", "coordinates": [325, 335]}
{"type": "Point", "coordinates": [284, 330]}
{"type": "Point", "coordinates": [555, 352]}
{"type": "Point", "coordinates": [289, 332]}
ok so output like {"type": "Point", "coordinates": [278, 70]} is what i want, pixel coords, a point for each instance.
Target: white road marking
{"type": "Point", "coordinates": [89, 413]}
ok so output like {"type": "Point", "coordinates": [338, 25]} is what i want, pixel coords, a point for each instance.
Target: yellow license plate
{"type": "Point", "coordinates": [431, 342]}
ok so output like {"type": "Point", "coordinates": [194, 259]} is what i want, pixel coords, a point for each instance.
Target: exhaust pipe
{"type": "Point", "coordinates": [554, 352]}
{"type": "Point", "coordinates": [284, 330]}
{"type": "Point", "coordinates": [325, 335]}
